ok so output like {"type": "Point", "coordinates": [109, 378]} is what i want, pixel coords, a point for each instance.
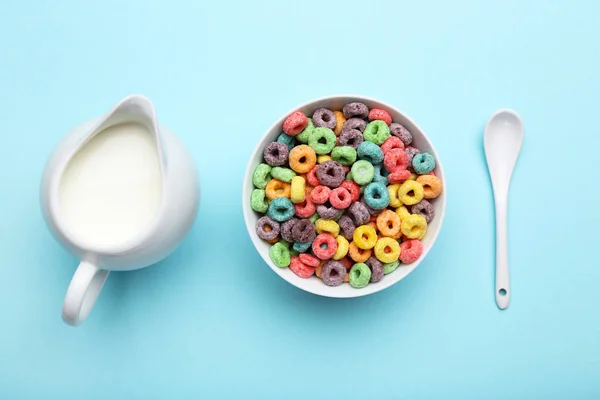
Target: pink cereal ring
{"type": "Point", "coordinates": [311, 177]}
{"type": "Point", "coordinates": [410, 251]}
{"type": "Point", "coordinates": [353, 188]}
{"type": "Point", "coordinates": [324, 246]}
{"type": "Point", "coordinates": [295, 123]}
{"type": "Point", "coordinates": [346, 169]}
{"type": "Point", "coordinates": [301, 269]}
{"type": "Point", "coordinates": [320, 194]}
{"type": "Point", "coordinates": [309, 260]}
{"type": "Point", "coordinates": [395, 159]}
{"type": "Point", "coordinates": [399, 176]}
{"type": "Point", "coordinates": [432, 173]}
{"type": "Point", "coordinates": [378, 113]}
{"type": "Point", "coordinates": [392, 142]}
{"type": "Point", "coordinates": [305, 209]}
{"type": "Point", "coordinates": [340, 198]}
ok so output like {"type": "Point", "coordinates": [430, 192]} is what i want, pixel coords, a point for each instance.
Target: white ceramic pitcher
{"type": "Point", "coordinates": [175, 212]}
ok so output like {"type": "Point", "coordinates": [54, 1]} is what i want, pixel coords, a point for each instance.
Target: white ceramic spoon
{"type": "Point", "coordinates": [502, 141]}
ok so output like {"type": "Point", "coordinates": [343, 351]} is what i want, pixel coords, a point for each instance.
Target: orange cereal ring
{"type": "Point", "coordinates": [373, 225]}
{"type": "Point", "coordinates": [273, 241]}
{"type": "Point", "coordinates": [388, 223]}
{"type": "Point", "coordinates": [302, 159]}
{"type": "Point", "coordinates": [318, 270]}
{"type": "Point", "coordinates": [358, 255]}
{"type": "Point", "coordinates": [340, 120]}
{"type": "Point", "coordinates": [276, 188]}
{"type": "Point", "coordinates": [398, 235]}
{"type": "Point", "coordinates": [432, 186]}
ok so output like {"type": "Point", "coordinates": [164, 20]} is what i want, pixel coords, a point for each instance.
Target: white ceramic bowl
{"type": "Point", "coordinates": [313, 284]}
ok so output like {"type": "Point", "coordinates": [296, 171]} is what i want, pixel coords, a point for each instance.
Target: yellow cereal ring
{"type": "Point", "coordinates": [276, 188]}
{"type": "Point", "coordinates": [410, 193]}
{"type": "Point", "coordinates": [357, 254]}
{"type": "Point", "coordinates": [393, 192]}
{"type": "Point", "coordinates": [297, 189]}
{"type": "Point", "coordinates": [322, 158]}
{"type": "Point", "coordinates": [402, 212]}
{"type": "Point", "coordinates": [388, 223]}
{"type": "Point", "coordinates": [327, 226]}
{"type": "Point", "coordinates": [412, 177]}
{"type": "Point", "coordinates": [302, 159]}
{"type": "Point", "coordinates": [432, 186]}
{"type": "Point", "coordinates": [340, 119]}
{"type": "Point", "coordinates": [342, 249]}
{"type": "Point", "coordinates": [365, 237]}
{"type": "Point", "coordinates": [387, 250]}
{"type": "Point", "coordinates": [414, 227]}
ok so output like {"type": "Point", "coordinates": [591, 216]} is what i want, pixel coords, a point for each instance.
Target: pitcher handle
{"type": "Point", "coordinates": [82, 293]}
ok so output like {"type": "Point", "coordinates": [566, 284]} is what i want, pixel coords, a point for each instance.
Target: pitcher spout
{"type": "Point", "coordinates": [134, 108]}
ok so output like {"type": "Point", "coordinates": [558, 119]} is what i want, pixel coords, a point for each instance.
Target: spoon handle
{"type": "Point", "coordinates": [502, 278]}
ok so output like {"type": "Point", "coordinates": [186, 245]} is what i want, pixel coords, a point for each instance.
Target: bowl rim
{"type": "Point", "coordinates": [330, 291]}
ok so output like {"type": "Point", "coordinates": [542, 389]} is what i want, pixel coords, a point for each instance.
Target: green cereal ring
{"type": "Point", "coordinates": [360, 275]}
{"type": "Point", "coordinates": [283, 174]}
{"type": "Point", "coordinates": [280, 255]}
{"type": "Point", "coordinates": [303, 136]}
{"type": "Point", "coordinates": [362, 172]}
{"type": "Point", "coordinates": [322, 140]}
{"type": "Point", "coordinates": [313, 218]}
{"type": "Point", "coordinates": [349, 176]}
{"type": "Point", "coordinates": [390, 267]}
{"type": "Point", "coordinates": [377, 132]}
{"type": "Point", "coordinates": [258, 201]}
{"type": "Point", "coordinates": [293, 253]}
{"type": "Point", "coordinates": [345, 155]}
{"type": "Point", "coordinates": [261, 176]}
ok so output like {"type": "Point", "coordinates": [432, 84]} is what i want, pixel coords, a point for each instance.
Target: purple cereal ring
{"type": "Point", "coordinates": [333, 273]}
{"type": "Point", "coordinates": [276, 154]}
{"type": "Point", "coordinates": [324, 118]}
{"type": "Point", "coordinates": [411, 152]}
{"type": "Point", "coordinates": [371, 211]}
{"type": "Point", "coordinates": [304, 231]}
{"type": "Point", "coordinates": [376, 268]}
{"type": "Point", "coordinates": [286, 229]}
{"type": "Point", "coordinates": [354, 123]}
{"type": "Point", "coordinates": [352, 138]}
{"type": "Point", "coordinates": [327, 211]}
{"type": "Point", "coordinates": [347, 227]}
{"type": "Point", "coordinates": [267, 228]}
{"type": "Point", "coordinates": [331, 174]}
{"type": "Point", "coordinates": [401, 132]}
{"type": "Point", "coordinates": [359, 213]}
{"type": "Point", "coordinates": [425, 209]}
{"type": "Point", "coordinates": [355, 109]}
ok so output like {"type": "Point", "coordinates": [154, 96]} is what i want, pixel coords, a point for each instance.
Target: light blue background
{"type": "Point", "coordinates": [213, 321]}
